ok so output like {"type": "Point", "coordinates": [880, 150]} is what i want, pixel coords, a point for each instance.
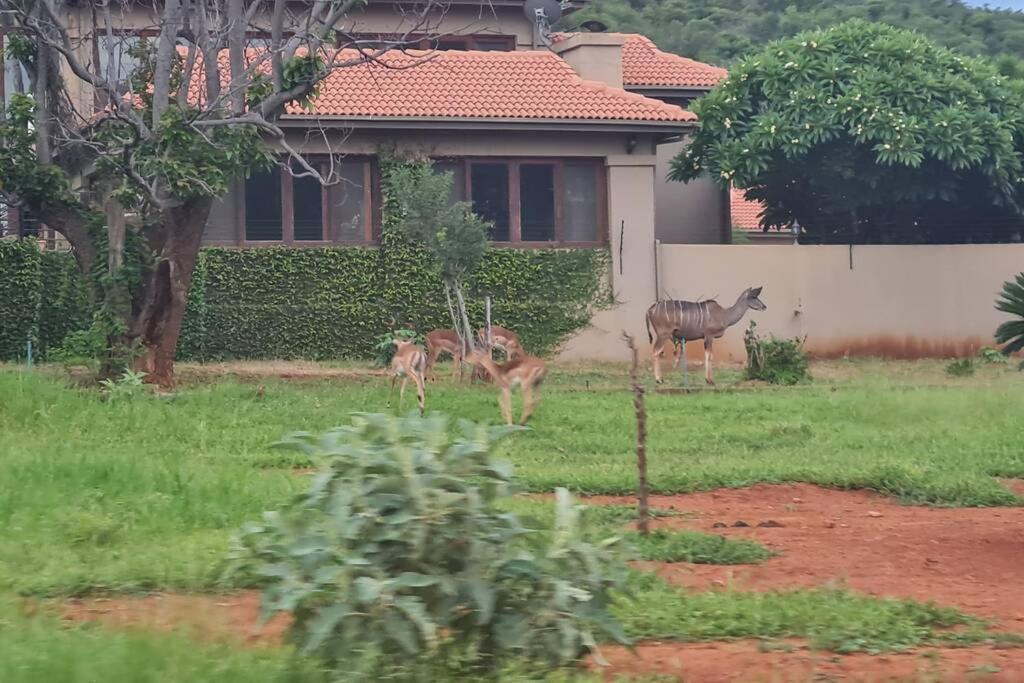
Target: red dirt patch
{"type": "Point", "coordinates": [209, 617]}
{"type": "Point", "coordinates": [969, 558]}
{"type": "Point", "coordinates": [744, 662]}
{"type": "Point", "coordinates": [1015, 485]}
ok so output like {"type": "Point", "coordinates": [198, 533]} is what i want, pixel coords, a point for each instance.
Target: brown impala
{"type": "Point", "coordinates": [409, 362]}
{"type": "Point", "coordinates": [444, 341]}
{"type": "Point", "coordinates": [525, 371]}
{"type": "Point", "coordinates": [688, 321]}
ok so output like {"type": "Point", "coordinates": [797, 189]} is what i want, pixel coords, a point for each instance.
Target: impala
{"type": "Point", "coordinates": [444, 341]}
{"type": "Point", "coordinates": [502, 338]}
{"type": "Point", "coordinates": [525, 371]}
{"type": "Point", "coordinates": [409, 362]}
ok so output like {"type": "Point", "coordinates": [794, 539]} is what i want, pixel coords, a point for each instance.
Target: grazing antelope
{"type": "Point", "coordinates": [687, 321]}
{"type": "Point", "coordinates": [409, 362]}
{"type": "Point", "coordinates": [525, 371]}
{"type": "Point", "coordinates": [444, 341]}
{"type": "Point", "coordinates": [502, 338]}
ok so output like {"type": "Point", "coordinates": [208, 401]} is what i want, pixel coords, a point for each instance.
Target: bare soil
{"type": "Point", "coordinates": [972, 559]}
{"type": "Point", "coordinates": [969, 558]}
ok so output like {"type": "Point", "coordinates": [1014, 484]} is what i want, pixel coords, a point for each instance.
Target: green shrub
{"type": "Point", "coordinates": [993, 356]}
{"type": "Point", "coordinates": [776, 361]}
{"type": "Point", "coordinates": [961, 367]}
{"type": "Point", "coordinates": [64, 304]}
{"type": "Point", "coordinates": [398, 558]}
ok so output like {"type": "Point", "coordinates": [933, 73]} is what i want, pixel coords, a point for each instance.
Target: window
{"type": "Point", "coordinates": [308, 209]}
{"type": "Point", "coordinates": [534, 200]}
{"type": "Point", "coordinates": [489, 193]}
{"type": "Point", "coordinates": [124, 64]}
{"type": "Point", "coordinates": [277, 207]}
{"type": "Point", "coordinates": [263, 206]}
{"type": "Point", "coordinates": [537, 202]}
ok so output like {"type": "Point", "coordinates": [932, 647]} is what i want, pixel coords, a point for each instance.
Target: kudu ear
{"type": "Point", "coordinates": [756, 291]}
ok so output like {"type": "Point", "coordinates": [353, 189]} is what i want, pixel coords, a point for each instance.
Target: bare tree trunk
{"type": "Point", "coordinates": [158, 324]}
{"type": "Point", "coordinates": [466, 327]}
{"type": "Point", "coordinates": [641, 437]}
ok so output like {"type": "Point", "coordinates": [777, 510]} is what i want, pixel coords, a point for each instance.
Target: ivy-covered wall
{"type": "Point", "coordinates": [313, 303]}
{"type": "Point", "coordinates": [335, 302]}
{"type": "Point", "coordinates": [20, 294]}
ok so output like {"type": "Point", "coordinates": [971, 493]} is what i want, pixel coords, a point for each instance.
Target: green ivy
{"type": "Point", "coordinates": [64, 306]}
{"type": "Point", "coordinates": [335, 302]}
{"type": "Point", "coordinates": [19, 297]}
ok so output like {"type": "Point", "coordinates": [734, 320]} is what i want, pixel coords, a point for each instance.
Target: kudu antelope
{"type": "Point", "coordinates": [409, 362]}
{"type": "Point", "coordinates": [444, 341]}
{"type": "Point", "coordinates": [525, 371]}
{"type": "Point", "coordinates": [688, 321]}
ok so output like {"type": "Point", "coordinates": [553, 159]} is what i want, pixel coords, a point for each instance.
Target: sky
{"type": "Point", "coordinates": [998, 4]}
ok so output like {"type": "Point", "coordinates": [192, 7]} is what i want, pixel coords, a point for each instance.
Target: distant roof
{"type": "Point", "coordinates": [528, 85]}
{"type": "Point", "coordinates": [746, 214]}
{"type": "Point", "coordinates": [645, 65]}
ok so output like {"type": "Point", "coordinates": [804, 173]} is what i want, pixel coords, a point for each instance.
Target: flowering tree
{"type": "Point", "coordinates": [867, 133]}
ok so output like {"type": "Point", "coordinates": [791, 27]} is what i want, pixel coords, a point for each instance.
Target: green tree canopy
{"type": "Point", "coordinates": [865, 132]}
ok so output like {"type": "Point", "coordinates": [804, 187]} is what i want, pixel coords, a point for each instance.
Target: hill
{"type": "Point", "coordinates": [721, 31]}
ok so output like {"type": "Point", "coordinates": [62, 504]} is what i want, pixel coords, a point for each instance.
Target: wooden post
{"type": "Point", "coordinates": [487, 305]}
{"type": "Point", "coordinates": [641, 437]}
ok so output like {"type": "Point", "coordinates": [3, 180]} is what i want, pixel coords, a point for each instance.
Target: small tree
{"type": "Point", "coordinates": [400, 557]}
{"type": "Point", "coordinates": [867, 133]}
{"type": "Point", "coordinates": [452, 234]}
{"type": "Point", "coordinates": [1011, 332]}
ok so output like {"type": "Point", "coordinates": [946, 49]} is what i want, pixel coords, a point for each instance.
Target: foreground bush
{"type": "Point", "coordinates": [776, 361]}
{"type": "Point", "coordinates": [398, 561]}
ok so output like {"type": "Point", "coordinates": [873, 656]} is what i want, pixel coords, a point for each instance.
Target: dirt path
{"type": "Point", "coordinates": [744, 662]}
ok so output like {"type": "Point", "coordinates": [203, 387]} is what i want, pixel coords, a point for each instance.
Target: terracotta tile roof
{"type": "Point", "coordinates": [643, 64]}
{"type": "Point", "coordinates": [746, 214]}
{"type": "Point", "coordinates": [472, 85]}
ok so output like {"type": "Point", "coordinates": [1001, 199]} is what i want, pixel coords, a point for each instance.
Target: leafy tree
{"type": "Point", "coordinates": [867, 133]}
{"type": "Point", "coordinates": [153, 146]}
{"type": "Point", "coordinates": [452, 234]}
{"type": "Point", "coordinates": [1011, 332]}
{"type": "Point", "coordinates": [400, 557]}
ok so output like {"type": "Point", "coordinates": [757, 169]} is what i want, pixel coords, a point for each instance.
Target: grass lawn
{"type": "Point", "coordinates": [143, 494]}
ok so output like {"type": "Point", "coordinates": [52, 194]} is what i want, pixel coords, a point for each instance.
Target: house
{"type": "Point", "coordinates": [566, 144]}
{"type": "Point", "coordinates": [746, 221]}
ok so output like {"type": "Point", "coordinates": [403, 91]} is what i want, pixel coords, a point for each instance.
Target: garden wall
{"type": "Point", "coordinates": [895, 301]}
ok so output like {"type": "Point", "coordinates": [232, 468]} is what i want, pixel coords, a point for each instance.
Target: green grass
{"type": "Point", "coordinates": [39, 649]}
{"type": "Point", "coordinates": [692, 546]}
{"type": "Point", "coordinates": [833, 620]}
{"type": "Point", "coordinates": [660, 545]}
{"type": "Point", "coordinates": [144, 494]}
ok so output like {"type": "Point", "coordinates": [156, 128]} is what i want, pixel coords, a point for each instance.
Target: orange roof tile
{"type": "Point", "coordinates": [746, 214]}
{"type": "Point", "coordinates": [471, 85]}
{"type": "Point", "coordinates": [644, 64]}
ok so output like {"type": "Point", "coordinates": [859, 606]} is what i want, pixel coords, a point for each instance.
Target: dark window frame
{"type": "Point", "coordinates": [515, 214]}
{"type": "Point", "coordinates": [371, 210]}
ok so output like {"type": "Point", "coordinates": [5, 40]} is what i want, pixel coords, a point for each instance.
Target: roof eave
{"type": "Point", "coordinates": [659, 91]}
{"type": "Point", "coordinates": [467, 123]}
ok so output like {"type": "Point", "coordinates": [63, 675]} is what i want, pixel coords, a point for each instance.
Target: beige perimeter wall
{"type": "Point", "coordinates": [893, 301]}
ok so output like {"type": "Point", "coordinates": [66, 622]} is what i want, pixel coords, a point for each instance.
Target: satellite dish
{"type": "Point", "coordinates": [542, 13]}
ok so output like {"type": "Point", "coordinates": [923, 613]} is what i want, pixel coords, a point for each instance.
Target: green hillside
{"type": "Point", "coordinates": [720, 31]}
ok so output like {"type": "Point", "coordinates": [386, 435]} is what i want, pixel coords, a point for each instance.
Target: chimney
{"type": "Point", "coordinates": [594, 56]}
